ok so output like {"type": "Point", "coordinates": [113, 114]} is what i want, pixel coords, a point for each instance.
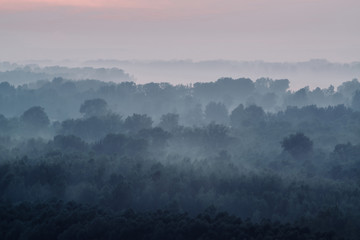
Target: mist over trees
{"type": "Point", "coordinates": [199, 103]}
{"type": "Point", "coordinates": [30, 73]}
{"type": "Point", "coordinates": [212, 160]}
{"type": "Point", "coordinates": [315, 72]}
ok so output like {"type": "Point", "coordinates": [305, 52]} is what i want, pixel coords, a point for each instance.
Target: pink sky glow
{"type": "Point", "coordinates": [21, 5]}
{"type": "Point", "coordinates": [277, 30]}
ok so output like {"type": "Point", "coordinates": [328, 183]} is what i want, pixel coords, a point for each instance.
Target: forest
{"type": "Point", "coordinates": [229, 159]}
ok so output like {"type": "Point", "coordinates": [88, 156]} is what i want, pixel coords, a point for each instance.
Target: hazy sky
{"type": "Point", "coordinates": [271, 30]}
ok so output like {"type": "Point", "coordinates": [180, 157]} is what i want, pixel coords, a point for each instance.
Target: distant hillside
{"type": "Point", "coordinates": [313, 73]}
{"type": "Point", "coordinates": [21, 74]}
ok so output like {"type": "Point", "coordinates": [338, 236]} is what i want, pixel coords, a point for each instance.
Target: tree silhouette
{"type": "Point", "coordinates": [169, 122]}
{"type": "Point", "coordinates": [94, 107]}
{"type": "Point", "coordinates": [236, 116]}
{"type": "Point", "coordinates": [35, 117]}
{"type": "Point", "coordinates": [216, 112]}
{"type": "Point", "coordinates": [136, 122]}
{"type": "Point", "coordinates": [297, 144]}
{"type": "Point", "coordinates": [355, 103]}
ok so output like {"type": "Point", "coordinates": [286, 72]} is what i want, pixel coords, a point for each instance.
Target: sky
{"type": "Point", "coordinates": [243, 30]}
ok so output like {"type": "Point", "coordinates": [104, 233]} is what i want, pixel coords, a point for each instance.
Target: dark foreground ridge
{"type": "Point", "coordinates": [59, 220]}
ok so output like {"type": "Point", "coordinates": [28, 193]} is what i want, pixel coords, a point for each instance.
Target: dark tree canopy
{"type": "Point", "coordinates": [250, 116]}
{"type": "Point", "coordinates": [258, 163]}
{"type": "Point", "coordinates": [280, 86]}
{"type": "Point", "coordinates": [355, 104]}
{"type": "Point", "coordinates": [120, 144]}
{"type": "Point", "coordinates": [69, 143]}
{"type": "Point", "coordinates": [35, 117]}
{"type": "Point", "coordinates": [136, 122]}
{"type": "Point", "coordinates": [94, 107]}
{"type": "Point", "coordinates": [156, 136]}
{"type": "Point", "coordinates": [297, 144]}
{"type": "Point", "coordinates": [6, 89]}
{"type": "Point", "coordinates": [253, 114]}
{"type": "Point", "coordinates": [216, 112]}
{"type": "Point", "coordinates": [169, 121]}
{"type": "Point", "coordinates": [236, 116]}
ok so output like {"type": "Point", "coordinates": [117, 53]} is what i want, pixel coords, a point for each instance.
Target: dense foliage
{"type": "Point", "coordinates": [56, 220]}
{"type": "Point", "coordinates": [295, 164]}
